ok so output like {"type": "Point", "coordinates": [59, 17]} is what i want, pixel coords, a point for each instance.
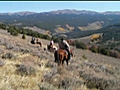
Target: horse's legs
{"type": "Point", "coordinates": [68, 54]}
{"type": "Point", "coordinates": [40, 43]}
{"type": "Point", "coordinates": [57, 57]}
{"type": "Point", "coordinates": [67, 62]}
{"type": "Point", "coordinates": [62, 62]}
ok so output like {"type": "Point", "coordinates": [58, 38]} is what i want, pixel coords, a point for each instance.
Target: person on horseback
{"type": "Point", "coordinates": [51, 43]}
{"type": "Point", "coordinates": [51, 47]}
{"type": "Point", "coordinates": [64, 45]}
{"type": "Point", "coordinates": [33, 40]}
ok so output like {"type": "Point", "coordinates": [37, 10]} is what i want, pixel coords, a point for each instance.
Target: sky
{"type": "Point", "coordinates": [46, 6]}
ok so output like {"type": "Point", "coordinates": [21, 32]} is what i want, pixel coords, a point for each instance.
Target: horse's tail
{"type": "Point", "coordinates": [57, 57]}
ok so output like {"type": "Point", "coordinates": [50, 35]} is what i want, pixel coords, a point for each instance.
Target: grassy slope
{"type": "Point", "coordinates": [48, 75]}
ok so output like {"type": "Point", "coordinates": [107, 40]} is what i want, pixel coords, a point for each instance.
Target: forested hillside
{"type": "Point", "coordinates": [111, 37]}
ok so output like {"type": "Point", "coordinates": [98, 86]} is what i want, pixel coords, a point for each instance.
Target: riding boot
{"type": "Point", "coordinates": [68, 54]}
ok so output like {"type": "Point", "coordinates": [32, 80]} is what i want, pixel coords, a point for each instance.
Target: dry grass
{"type": "Point", "coordinates": [10, 80]}
{"type": "Point", "coordinates": [86, 71]}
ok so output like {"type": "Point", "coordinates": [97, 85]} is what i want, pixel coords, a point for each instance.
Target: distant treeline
{"type": "Point", "coordinates": [13, 30]}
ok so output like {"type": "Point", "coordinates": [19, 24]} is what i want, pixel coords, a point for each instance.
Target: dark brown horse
{"type": "Point", "coordinates": [61, 55]}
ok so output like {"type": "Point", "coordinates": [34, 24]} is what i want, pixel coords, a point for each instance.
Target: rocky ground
{"type": "Point", "coordinates": [25, 66]}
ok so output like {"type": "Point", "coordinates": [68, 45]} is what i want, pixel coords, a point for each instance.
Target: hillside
{"type": "Point", "coordinates": [111, 37]}
{"type": "Point", "coordinates": [25, 66]}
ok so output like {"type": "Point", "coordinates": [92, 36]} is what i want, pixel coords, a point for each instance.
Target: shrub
{"type": "Point", "coordinates": [83, 56]}
{"type": "Point", "coordinates": [101, 83]}
{"type": "Point", "coordinates": [69, 82]}
{"type": "Point", "coordinates": [3, 26]}
{"type": "Point", "coordinates": [2, 51]}
{"type": "Point", "coordinates": [8, 56]}
{"type": "Point", "coordinates": [23, 36]}
{"type": "Point", "coordinates": [114, 54]}
{"type": "Point", "coordinates": [2, 41]}
{"type": "Point", "coordinates": [46, 86]}
{"type": "Point", "coordinates": [81, 45]}
{"type": "Point", "coordinates": [55, 39]}
{"type": "Point", "coordinates": [50, 64]}
{"type": "Point", "coordinates": [26, 68]}
{"type": "Point", "coordinates": [46, 37]}
{"type": "Point", "coordinates": [1, 62]}
{"type": "Point", "coordinates": [94, 48]}
{"type": "Point", "coordinates": [104, 51]}
{"type": "Point", "coordinates": [9, 44]}
{"type": "Point", "coordinates": [14, 33]}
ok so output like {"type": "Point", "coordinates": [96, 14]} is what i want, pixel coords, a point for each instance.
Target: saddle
{"type": "Point", "coordinates": [68, 53]}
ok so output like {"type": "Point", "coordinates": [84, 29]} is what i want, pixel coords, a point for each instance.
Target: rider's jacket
{"type": "Point", "coordinates": [64, 45]}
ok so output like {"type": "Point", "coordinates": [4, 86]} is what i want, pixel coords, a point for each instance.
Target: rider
{"type": "Point", "coordinates": [33, 40]}
{"type": "Point", "coordinates": [51, 43]}
{"type": "Point", "coordinates": [64, 45]}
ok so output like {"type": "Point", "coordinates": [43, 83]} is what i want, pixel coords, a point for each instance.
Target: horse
{"type": "Point", "coordinates": [40, 43]}
{"type": "Point", "coordinates": [61, 55]}
{"type": "Point", "coordinates": [33, 42]}
{"type": "Point", "coordinates": [51, 48]}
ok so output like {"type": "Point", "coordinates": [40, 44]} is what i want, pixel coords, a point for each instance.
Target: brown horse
{"type": "Point", "coordinates": [61, 55]}
{"type": "Point", "coordinates": [40, 43]}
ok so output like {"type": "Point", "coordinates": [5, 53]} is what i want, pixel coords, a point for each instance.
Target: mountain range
{"type": "Point", "coordinates": [62, 21]}
{"type": "Point", "coordinates": [65, 11]}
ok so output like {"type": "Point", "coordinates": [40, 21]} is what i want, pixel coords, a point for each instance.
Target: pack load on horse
{"type": "Point", "coordinates": [40, 43]}
{"type": "Point", "coordinates": [35, 41]}
{"type": "Point", "coordinates": [51, 47]}
{"type": "Point", "coordinates": [63, 53]}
